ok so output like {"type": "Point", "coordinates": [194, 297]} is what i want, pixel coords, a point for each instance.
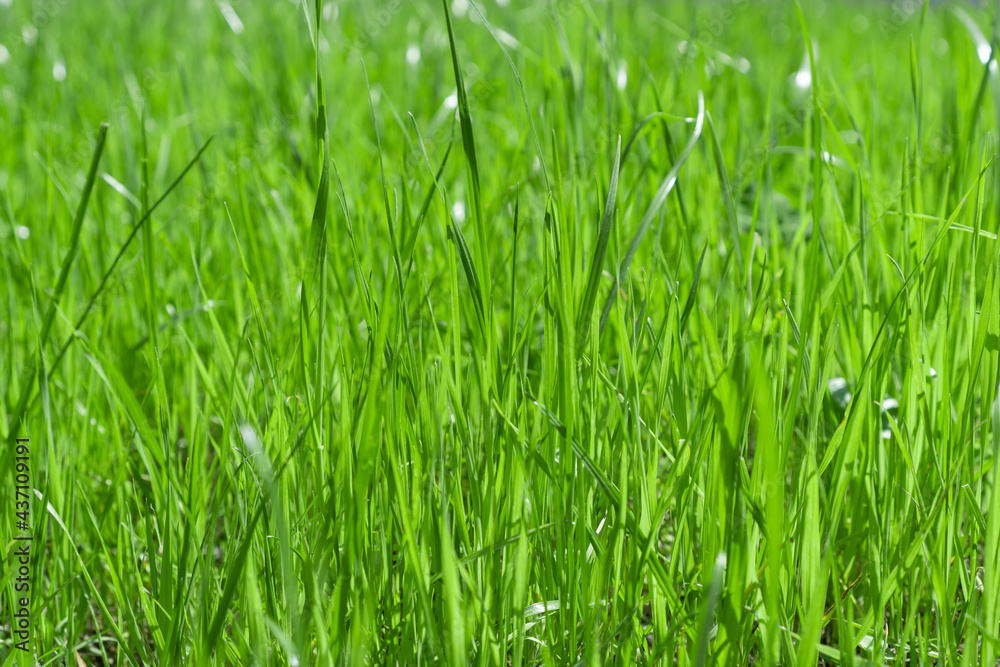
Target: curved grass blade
{"type": "Point", "coordinates": [662, 116]}
{"type": "Point", "coordinates": [67, 265]}
{"type": "Point", "coordinates": [128, 241]}
{"type": "Point", "coordinates": [22, 403]}
{"type": "Point", "coordinates": [658, 200]}
{"type": "Point", "coordinates": [727, 197]}
{"type": "Point", "coordinates": [456, 234]}
{"type": "Point", "coordinates": [74, 241]}
{"type": "Point", "coordinates": [693, 294]}
{"type": "Point", "coordinates": [465, 120]}
{"type": "Point", "coordinates": [590, 296]}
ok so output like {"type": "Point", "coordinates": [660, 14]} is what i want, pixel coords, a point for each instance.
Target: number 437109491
{"type": "Point", "coordinates": [22, 477]}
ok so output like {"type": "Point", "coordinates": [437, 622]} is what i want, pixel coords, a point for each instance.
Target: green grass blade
{"type": "Point", "coordinates": [594, 277]}
{"type": "Point", "coordinates": [647, 219]}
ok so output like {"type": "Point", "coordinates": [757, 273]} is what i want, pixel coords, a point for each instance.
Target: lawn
{"type": "Point", "coordinates": [497, 332]}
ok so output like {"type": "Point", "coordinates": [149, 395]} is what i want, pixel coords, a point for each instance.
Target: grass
{"type": "Point", "coordinates": [502, 333]}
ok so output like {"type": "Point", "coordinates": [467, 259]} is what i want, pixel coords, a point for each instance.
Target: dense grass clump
{"type": "Point", "coordinates": [502, 333]}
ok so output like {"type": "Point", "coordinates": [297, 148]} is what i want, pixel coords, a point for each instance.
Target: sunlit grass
{"type": "Point", "coordinates": [502, 333]}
